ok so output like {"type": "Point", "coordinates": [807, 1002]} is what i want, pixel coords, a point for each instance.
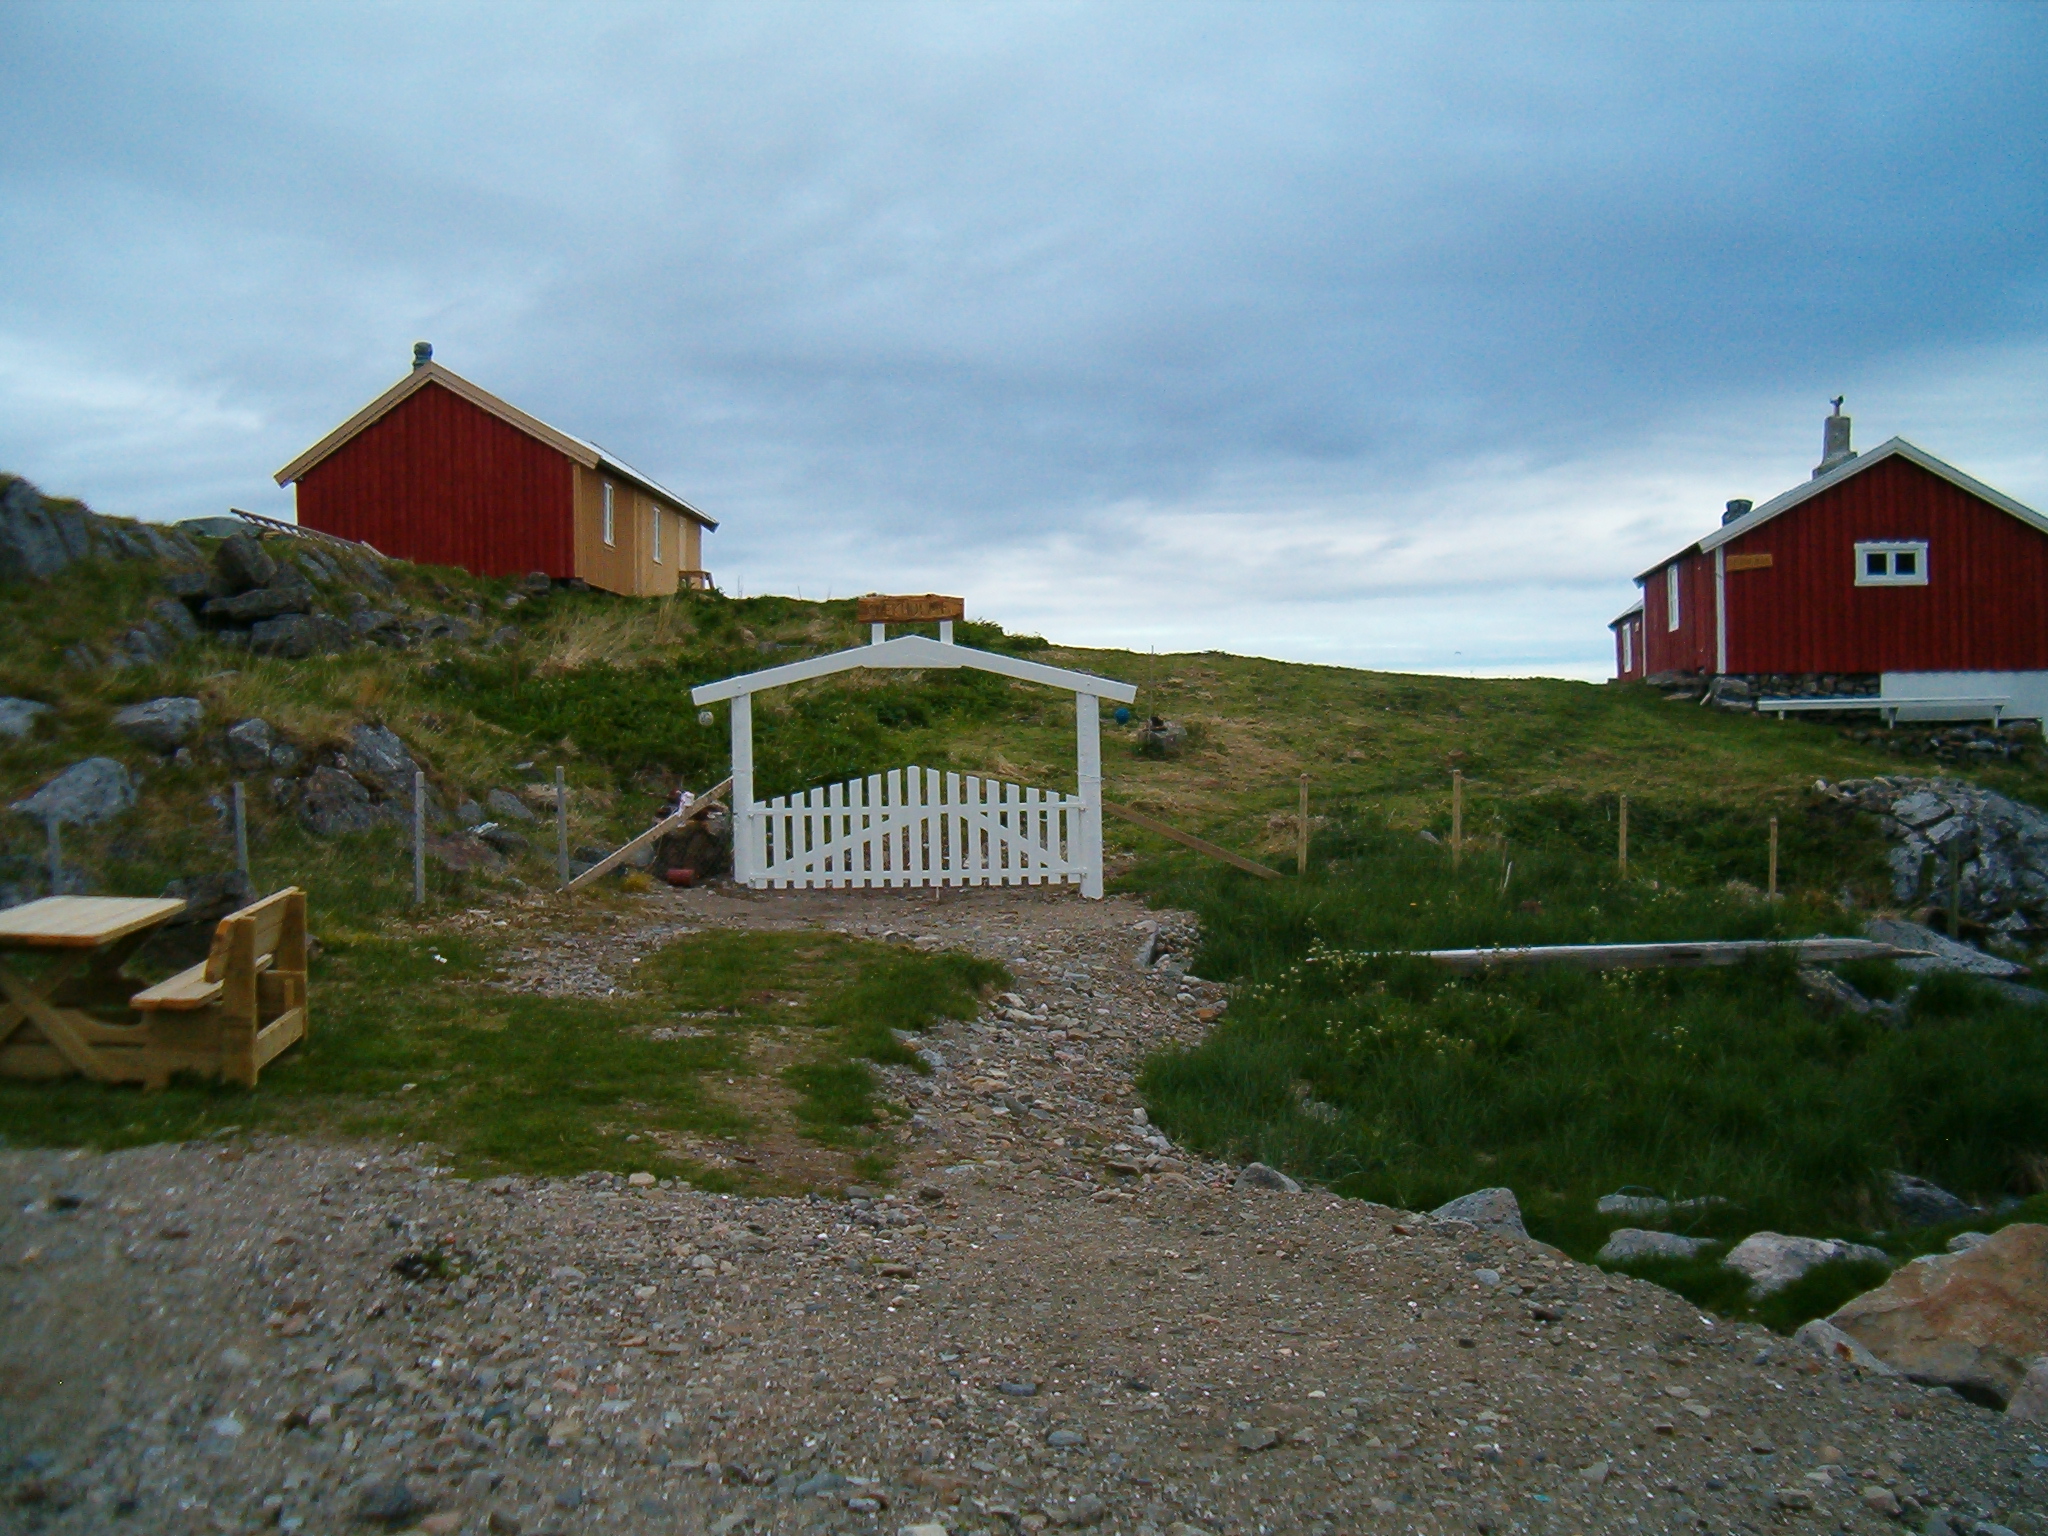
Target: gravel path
{"type": "Point", "coordinates": [1055, 1318]}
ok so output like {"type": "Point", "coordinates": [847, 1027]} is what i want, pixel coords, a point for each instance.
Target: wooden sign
{"type": "Point", "coordinates": [1749, 562]}
{"type": "Point", "coordinates": [877, 609]}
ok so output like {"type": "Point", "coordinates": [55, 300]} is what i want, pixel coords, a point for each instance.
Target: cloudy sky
{"type": "Point", "coordinates": [1397, 337]}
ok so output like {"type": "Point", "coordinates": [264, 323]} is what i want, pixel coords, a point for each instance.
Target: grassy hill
{"type": "Point", "coordinates": [1335, 1061]}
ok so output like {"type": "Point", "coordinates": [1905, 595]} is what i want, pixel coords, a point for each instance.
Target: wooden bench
{"type": "Point", "coordinates": [231, 1014]}
{"type": "Point", "coordinates": [1959, 706]}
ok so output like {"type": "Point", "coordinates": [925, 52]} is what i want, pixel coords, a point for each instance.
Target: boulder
{"type": "Point", "coordinates": [1626, 1244]}
{"type": "Point", "coordinates": [1921, 1204]}
{"type": "Point", "coordinates": [162, 725]}
{"type": "Point", "coordinates": [331, 803]}
{"type": "Point", "coordinates": [85, 793]}
{"type": "Point", "coordinates": [175, 618]}
{"type": "Point", "coordinates": [502, 838]}
{"type": "Point", "coordinates": [18, 716]}
{"type": "Point", "coordinates": [261, 603]}
{"type": "Point", "coordinates": [376, 755]}
{"type": "Point", "coordinates": [1974, 1321]}
{"type": "Point", "coordinates": [1773, 1260]}
{"type": "Point", "coordinates": [250, 743]}
{"type": "Point", "coordinates": [1491, 1210]}
{"type": "Point", "coordinates": [468, 813]}
{"type": "Point", "coordinates": [1259, 1176]}
{"type": "Point", "coordinates": [2029, 1401]}
{"type": "Point", "coordinates": [507, 806]}
{"type": "Point", "coordinates": [243, 563]}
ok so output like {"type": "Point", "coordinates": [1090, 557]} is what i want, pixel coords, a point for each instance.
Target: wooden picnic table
{"type": "Point", "coordinates": [89, 939]}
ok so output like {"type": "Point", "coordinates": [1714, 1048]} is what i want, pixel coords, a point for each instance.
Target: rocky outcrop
{"type": "Point", "coordinates": [1490, 1210]}
{"type": "Point", "coordinates": [1922, 1204]}
{"type": "Point", "coordinates": [84, 794]}
{"type": "Point", "coordinates": [41, 538]}
{"type": "Point", "coordinates": [1996, 847]}
{"type": "Point", "coordinates": [1973, 1321]}
{"type": "Point", "coordinates": [332, 803]}
{"type": "Point", "coordinates": [1772, 1260]}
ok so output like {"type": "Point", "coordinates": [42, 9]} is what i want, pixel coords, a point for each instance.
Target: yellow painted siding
{"type": "Point", "coordinates": [627, 565]}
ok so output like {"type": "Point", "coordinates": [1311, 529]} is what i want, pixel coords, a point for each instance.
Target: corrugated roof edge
{"type": "Point", "coordinates": [588, 454]}
{"type": "Point", "coordinates": [1896, 447]}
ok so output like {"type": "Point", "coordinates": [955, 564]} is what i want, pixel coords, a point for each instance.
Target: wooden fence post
{"type": "Point", "coordinates": [1621, 856]}
{"type": "Point", "coordinates": [241, 833]}
{"type": "Point", "coordinates": [562, 824]}
{"type": "Point", "coordinates": [419, 838]}
{"type": "Point", "coordinates": [1301, 832]}
{"type": "Point", "coordinates": [1457, 815]}
{"type": "Point", "coordinates": [1772, 891]}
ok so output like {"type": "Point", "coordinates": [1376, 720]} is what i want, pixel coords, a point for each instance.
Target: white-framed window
{"type": "Point", "coordinates": [1628, 650]}
{"type": "Point", "coordinates": [609, 527]}
{"type": "Point", "coordinates": [1671, 595]}
{"type": "Point", "coordinates": [1891, 563]}
{"type": "Point", "coordinates": [657, 533]}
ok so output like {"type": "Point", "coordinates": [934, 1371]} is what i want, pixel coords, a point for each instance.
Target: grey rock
{"type": "Point", "coordinates": [508, 807]}
{"type": "Point", "coordinates": [1963, 1242]}
{"type": "Point", "coordinates": [350, 1381]}
{"type": "Point", "coordinates": [262, 603]}
{"type": "Point", "coordinates": [1491, 1210]}
{"type": "Point", "coordinates": [1627, 1244]}
{"type": "Point", "coordinates": [1832, 993]}
{"type": "Point", "coordinates": [1772, 1260]}
{"type": "Point", "coordinates": [175, 617]}
{"type": "Point", "coordinates": [1086, 1510]}
{"type": "Point", "coordinates": [331, 803]}
{"type": "Point", "coordinates": [250, 743]}
{"type": "Point", "coordinates": [377, 754]}
{"type": "Point", "coordinates": [819, 1483]}
{"type": "Point", "coordinates": [193, 586]}
{"type": "Point", "coordinates": [1066, 1439]}
{"type": "Point", "coordinates": [243, 563]}
{"type": "Point", "coordinates": [1835, 1346]}
{"type": "Point", "coordinates": [297, 635]}
{"type": "Point", "coordinates": [214, 527]}
{"type": "Point", "coordinates": [1259, 1176]}
{"type": "Point", "coordinates": [468, 813]}
{"type": "Point", "coordinates": [163, 725]}
{"type": "Point", "coordinates": [18, 716]}
{"type": "Point", "coordinates": [84, 794]}
{"type": "Point", "coordinates": [1921, 1204]}
{"type": "Point", "coordinates": [391, 1503]}
{"type": "Point", "coordinates": [1640, 1207]}
{"type": "Point", "coordinates": [2029, 1401]}
{"type": "Point", "coordinates": [504, 839]}
{"type": "Point", "coordinates": [1252, 1438]}
{"type": "Point", "coordinates": [1939, 952]}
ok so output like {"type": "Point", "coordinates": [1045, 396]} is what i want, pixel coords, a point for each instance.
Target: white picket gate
{"type": "Point", "coordinates": [915, 826]}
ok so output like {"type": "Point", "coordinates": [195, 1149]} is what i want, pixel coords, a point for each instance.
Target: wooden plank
{"type": "Point", "coordinates": [1189, 840]}
{"type": "Point", "coordinates": [83, 922]}
{"type": "Point", "coordinates": [188, 989]}
{"type": "Point", "coordinates": [1630, 957]}
{"type": "Point", "coordinates": [925, 608]}
{"type": "Point", "coordinates": [613, 859]}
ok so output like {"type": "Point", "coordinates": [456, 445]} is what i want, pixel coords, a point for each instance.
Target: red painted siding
{"type": "Point", "coordinates": [1690, 647]}
{"type": "Point", "coordinates": [442, 482]}
{"type": "Point", "coordinates": [1982, 609]}
{"type": "Point", "coordinates": [1628, 648]}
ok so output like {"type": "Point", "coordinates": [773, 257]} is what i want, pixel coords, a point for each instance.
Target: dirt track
{"type": "Point", "coordinates": [1051, 1320]}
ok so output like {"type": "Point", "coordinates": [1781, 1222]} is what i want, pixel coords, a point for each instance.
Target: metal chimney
{"type": "Point", "coordinates": [422, 353]}
{"type": "Point", "coordinates": [1739, 507]}
{"type": "Point", "coordinates": [1834, 441]}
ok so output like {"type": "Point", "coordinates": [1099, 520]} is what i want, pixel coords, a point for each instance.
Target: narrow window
{"type": "Point", "coordinates": [608, 513]}
{"type": "Point", "coordinates": [657, 534]}
{"type": "Point", "coordinates": [1891, 563]}
{"type": "Point", "coordinates": [1628, 664]}
{"type": "Point", "coordinates": [1671, 595]}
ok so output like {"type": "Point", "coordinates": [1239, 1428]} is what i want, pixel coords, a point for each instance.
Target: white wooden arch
{"type": "Point", "coordinates": [976, 824]}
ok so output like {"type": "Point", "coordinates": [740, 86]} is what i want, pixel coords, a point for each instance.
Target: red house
{"type": "Point", "coordinates": [1889, 573]}
{"type": "Point", "coordinates": [440, 471]}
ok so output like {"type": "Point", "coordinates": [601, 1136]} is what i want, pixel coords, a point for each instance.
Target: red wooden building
{"type": "Point", "coordinates": [1888, 568]}
{"type": "Point", "coordinates": [440, 471]}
